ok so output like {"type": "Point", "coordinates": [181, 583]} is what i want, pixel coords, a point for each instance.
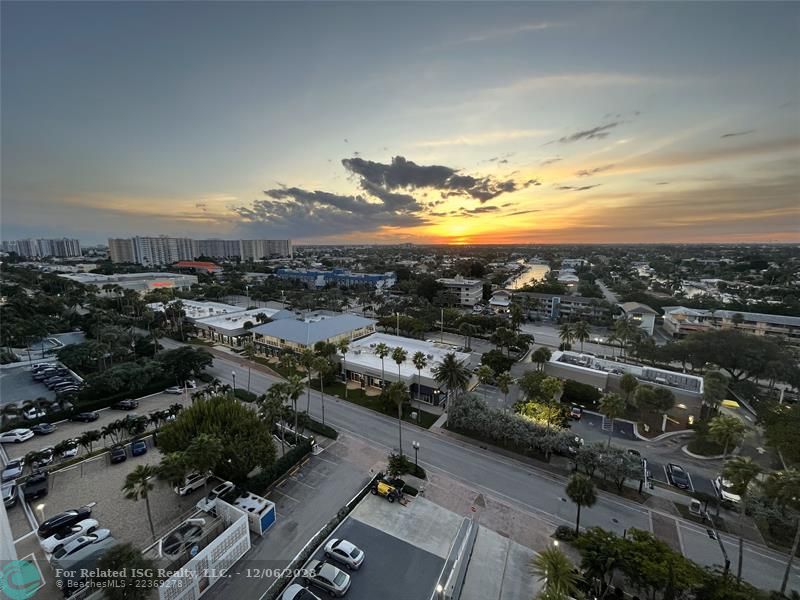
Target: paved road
{"type": "Point", "coordinates": [535, 490]}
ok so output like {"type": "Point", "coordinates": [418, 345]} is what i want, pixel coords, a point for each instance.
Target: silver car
{"type": "Point", "coordinates": [77, 544]}
{"type": "Point", "coordinates": [10, 493]}
{"type": "Point", "coordinates": [331, 579]}
{"type": "Point", "coordinates": [344, 552]}
{"type": "Point", "coordinates": [298, 592]}
{"type": "Point", "coordinates": [13, 470]}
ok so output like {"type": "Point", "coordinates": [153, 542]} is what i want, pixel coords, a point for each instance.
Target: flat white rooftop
{"type": "Point", "coordinates": [198, 310]}
{"type": "Point", "coordinates": [236, 320]}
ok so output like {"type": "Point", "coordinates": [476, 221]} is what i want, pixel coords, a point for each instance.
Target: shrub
{"type": "Point", "coordinates": [565, 533]}
{"type": "Point", "coordinates": [497, 361]}
{"type": "Point", "coordinates": [310, 423]}
{"type": "Point", "coordinates": [205, 377]}
{"type": "Point", "coordinates": [401, 464]}
{"type": "Point", "coordinates": [580, 393]}
{"type": "Point", "coordinates": [245, 396]}
{"type": "Point", "coordinates": [258, 484]}
{"type": "Point", "coordinates": [410, 490]}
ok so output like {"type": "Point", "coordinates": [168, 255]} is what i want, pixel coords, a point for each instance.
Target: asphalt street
{"type": "Point", "coordinates": [537, 491]}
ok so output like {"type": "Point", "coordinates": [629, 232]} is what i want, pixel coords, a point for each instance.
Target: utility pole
{"type": "Point", "coordinates": [441, 324]}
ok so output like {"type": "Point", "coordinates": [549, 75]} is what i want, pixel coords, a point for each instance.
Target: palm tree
{"type": "Point", "coordinates": [504, 380]}
{"type": "Point", "coordinates": [420, 362]}
{"type": "Point", "coordinates": [741, 471]}
{"type": "Point", "coordinates": [485, 374]}
{"type": "Point", "coordinates": [581, 332]}
{"type": "Point", "coordinates": [566, 333]}
{"type": "Point", "coordinates": [287, 361]}
{"type": "Point", "coordinates": [397, 393]}
{"type": "Point", "coordinates": [173, 468]}
{"type": "Point", "coordinates": [307, 358]}
{"type": "Point", "coordinates": [784, 488]}
{"type": "Point", "coordinates": [467, 330]}
{"type": "Point", "coordinates": [452, 373]}
{"type": "Point", "coordinates": [204, 453]}
{"type": "Point", "coordinates": [628, 384]}
{"type": "Point", "coordinates": [138, 485]}
{"type": "Point", "coordinates": [613, 407]}
{"type": "Point", "coordinates": [552, 388]}
{"type": "Point", "coordinates": [382, 351]}
{"type": "Point", "coordinates": [88, 438]}
{"type": "Point", "coordinates": [626, 332]}
{"type": "Point", "coordinates": [580, 490]}
{"type": "Point", "coordinates": [294, 387]}
{"type": "Point", "coordinates": [727, 431]}
{"type": "Point", "coordinates": [111, 431]}
{"type": "Point", "coordinates": [541, 356]}
{"type": "Point", "coordinates": [271, 405]}
{"type": "Point", "coordinates": [322, 366]}
{"type": "Point", "coordinates": [399, 355]}
{"type": "Point", "coordinates": [344, 345]}
{"type": "Point", "coordinates": [557, 572]}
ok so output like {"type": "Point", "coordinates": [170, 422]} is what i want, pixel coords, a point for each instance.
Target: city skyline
{"type": "Point", "coordinates": [423, 123]}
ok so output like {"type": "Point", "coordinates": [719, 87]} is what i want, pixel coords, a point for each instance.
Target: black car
{"type": "Point", "coordinates": [678, 477]}
{"type": "Point", "coordinates": [62, 520]}
{"type": "Point", "coordinates": [126, 404]}
{"type": "Point", "coordinates": [43, 428]}
{"type": "Point", "coordinates": [118, 455]}
{"type": "Point", "coordinates": [85, 417]}
{"type": "Point", "coordinates": [36, 486]}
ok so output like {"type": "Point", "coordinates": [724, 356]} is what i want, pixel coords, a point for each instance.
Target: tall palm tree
{"type": "Point", "coordinates": [452, 373]}
{"type": "Point", "coordinates": [399, 355]}
{"type": "Point", "coordinates": [784, 488]}
{"type": "Point", "coordinates": [727, 431]}
{"type": "Point", "coordinates": [613, 407]}
{"type": "Point", "coordinates": [580, 490]}
{"type": "Point", "coordinates": [287, 361]}
{"type": "Point", "coordinates": [344, 345]}
{"type": "Point", "coordinates": [307, 358]}
{"type": "Point", "coordinates": [540, 356]}
{"type": "Point", "coordinates": [420, 362]}
{"type": "Point", "coordinates": [88, 438]}
{"type": "Point", "coordinates": [554, 568]}
{"type": "Point", "coordinates": [173, 468]}
{"type": "Point", "coordinates": [504, 381]}
{"type": "Point", "coordinates": [138, 485]}
{"type": "Point", "coordinates": [566, 333]}
{"type": "Point", "coordinates": [323, 367]}
{"type": "Point", "coordinates": [467, 330]}
{"type": "Point", "coordinates": [204, 453]}
{"type": "Point", "coordinates": [397, 393]}
{"type": "Point", "coordinates": [382, 351]}
{"type": "Point", "coordinates": [271, 408]}
{"type": "Point", "coordinates": [294, 387]}
{"type": "Point", "coordinates": [581, 331]}
{"type": "Point", "coordinates": [551, 388]}
{"type": "Point", "coordinates": [741, 471]}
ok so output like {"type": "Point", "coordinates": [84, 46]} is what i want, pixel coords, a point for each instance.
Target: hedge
{"type": "Point", "coordinates": [312, 424]}
{"type": "Point", "coordinates": [245, 396]}
{"type": "Point", "coordinates": [206, 377]}
{"type": "Point", "coordinates": [580, 393]}
{"type": "Point", "coordinates": [258, 484]}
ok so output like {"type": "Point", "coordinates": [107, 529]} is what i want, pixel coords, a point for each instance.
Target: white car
{"type": "Point", "coordinates": [81, 542]}
{"type": "Point", "coordinates": [71, 451]}
{"type": "Point", "coordinates": [15, 436]}
{"type": "Point", "coordinates": [208, 503]}
{"type": "Point", "coordinates": [13, 470]}
{"type": "Point", "coordinates": [44, 457]}
{"type": "Point", "coordinates": [344, 552]}
{"type": "Point", "coordinates": [298, 592]}
{"type": "Point", "coordinates": [193, 481]}
{"type": "Point", "coordinates": [68, 534]}
{"type": "Point", "coordinates": [724, 490]}
{"type": "Point", "coordinates": [33, 413]}
{"type": "Point", "coordinates": [174, 390]}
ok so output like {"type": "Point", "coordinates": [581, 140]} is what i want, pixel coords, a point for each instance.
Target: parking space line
{"type": "Point", "coordinates": [666, 475]}
{"type": "Point", "coordinates": [326, 460]}
{"type": "Point", "coordinates": [282, 493]}
{"type": "Point", "coordinates": [24, 537]}
{"type": "Point", "coordinates": [691, 483]}
{"type": "Point", "coordinates": [296, 480]}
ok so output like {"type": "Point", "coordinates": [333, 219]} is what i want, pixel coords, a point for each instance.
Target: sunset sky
{"type": "Point", "coordinates": [402, 122]}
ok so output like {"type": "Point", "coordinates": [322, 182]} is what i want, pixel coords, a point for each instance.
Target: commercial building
{"type": "Point", "coordinates": [364, 366]}
{"type": "Point", "coordinates": [341, 277]}
{"type": "Point", "coordinates": [680, 321]}
{"type": "Point", "coordinates": [465, 292]}
{"type": "Point", "coordinates": [233, 329]}
{"type": "Point", "coordinates": [297, 334]}
{"type": "Point", "coordinates": [640, 314]}
{"type": "Point", "coordinates": [139, 282]}
{"type": "Point", "coordinates": [196, 309]}
{"type": "Point", "coordinates": [58, 248]}
{"type": "Point", "coordinates": [555, 307]}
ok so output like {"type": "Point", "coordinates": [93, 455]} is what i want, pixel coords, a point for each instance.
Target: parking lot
{"type": "Point", "coordinates": [658, 471]}
{"type": "Point", "coordinates": [17, 385]}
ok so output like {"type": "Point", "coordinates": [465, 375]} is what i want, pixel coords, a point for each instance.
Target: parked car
{"type": "Point", "coordinates": [67, 534]}
{"type": "Point", "coordinates": [33, 413]}
{"type": "Point", "coordinates": [174, 390]}
{"type": "Point", "coordinates": [71, 451]}
{"type": "Point", "coordinates": [138, 448]}
{"type": "Point", "coordinates": [36, 367]}
{"type": "Point", "coordinates": [126, 405]}
{"type": "Point", "coordinates": [43, 458]}
{"type": "Point", "coordinates": [298, 592]}
{"type": "Point", "coordinates": [10, 493]}
{"type": "Point", "coordinates": [81, 542]}
{"type": "Point", "coordinates": [344, 552]}
{"type": "Point", "coordinates": [210, 501]}
{"type": "Point", "coordinates": [43, 428]}
{"type": "Point", "coordinates": [328, 577]}
{"type": "Point", "coordinates": [36, 486]}
{"type": "Point", "coordinates": [85, 417]}
{"type": "Point", "coordinates": [193, 481]}
{"type": "Point", "coordinates": [725, 491]}
{"type": "Point", "coordinates": [576, 412]}
{"type": "Point", "coordinates": [13, 470]}
{"type": "Point", "coordinates": [15, 436]}
{"type": "Point", "coordinates": [678, 477]}
{"type": "Point", "coordinates": [118, 455]}
{"type": "Point", "coordinates": [64, 519]}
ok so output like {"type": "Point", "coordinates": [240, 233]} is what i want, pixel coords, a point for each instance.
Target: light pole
{"type": "Point", "coordinates": [397, 324]}
{"type": "Point", "coordinates": [415, 445]}
{"type": "Point", "coordinates": [233, 374]}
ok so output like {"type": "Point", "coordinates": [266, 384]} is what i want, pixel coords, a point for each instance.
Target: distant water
{"type": "Point", "coordinates": [530, 275]}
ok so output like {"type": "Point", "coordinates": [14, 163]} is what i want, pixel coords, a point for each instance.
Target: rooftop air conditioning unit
{"type": "Point", "coordinates": [430, 356]}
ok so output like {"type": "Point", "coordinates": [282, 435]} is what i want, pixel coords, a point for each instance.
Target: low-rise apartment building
{"type": "Point", "coordinates": [680, 321]}
{"type": "Point", "coordinates": [465, 292]}
{"type": "Point", "coordinates": [315, 278]}
{"type": "Point", "coordinates": [555, 307]}
{"type": "Point", "coordinates": [640, 314]}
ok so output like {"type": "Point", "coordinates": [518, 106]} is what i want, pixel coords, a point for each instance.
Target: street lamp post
{"type": "Point", "coordinates": [415, 445]}
{"type": "Point", "coordinates": [233, 374]}
{"type": "Point", "coordinates": [397, 324]}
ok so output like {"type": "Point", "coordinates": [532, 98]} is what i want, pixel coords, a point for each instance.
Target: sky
{"type": "Point", "coordinates": [455, 123]}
